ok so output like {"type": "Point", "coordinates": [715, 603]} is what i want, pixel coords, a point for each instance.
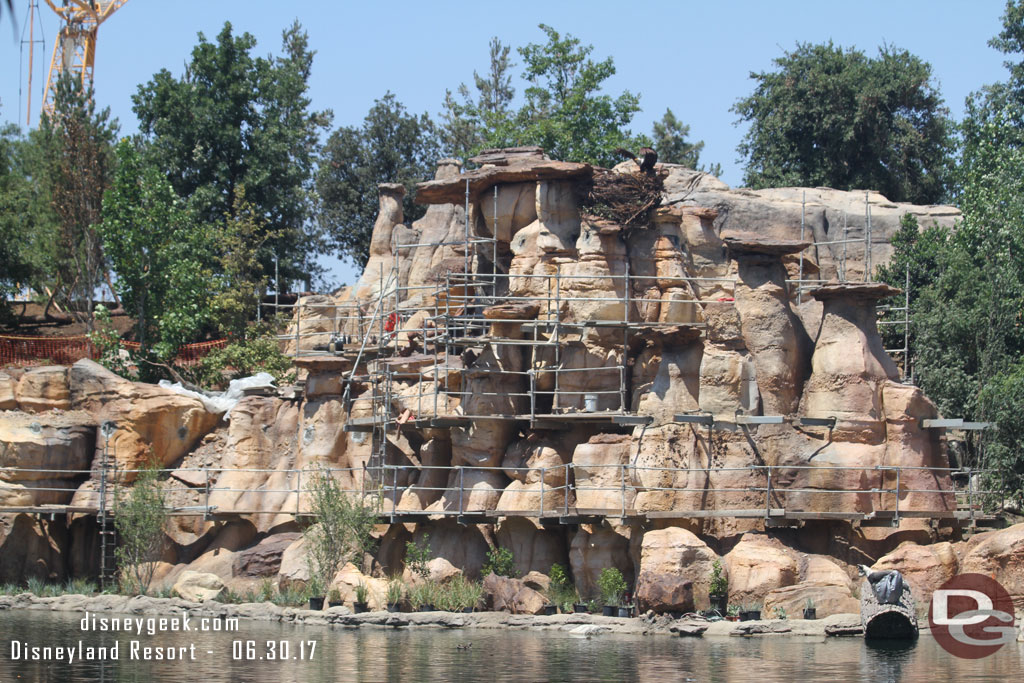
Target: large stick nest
{"type": "Point", "coordinates": [627, 199]}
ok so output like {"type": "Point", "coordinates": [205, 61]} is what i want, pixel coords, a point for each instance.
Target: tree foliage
{"type": "Point", "coordinates": [967, 306]}
{"type": "Point", "coordinates": [391, 146]}
{"type": "Point", "coordinates": [139, 516]}
{"type": "Point", "coordinates": [234, 120]}
{"type": "Point", "coordinates": [669, 137]}
{"type": "Point", "coordinates": [77, 148]}
{"type": "Point", "coordinates": [838, 118]}
{"type": "Point", "coordinates": [341, 532]}
{"type": "Point", "coordinates": [161, 254]}
{"type": "Point", "coordinates": [20, 223]}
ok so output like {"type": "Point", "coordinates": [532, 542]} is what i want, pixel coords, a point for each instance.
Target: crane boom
{"type": "Point", "coordinates": [74, 49]}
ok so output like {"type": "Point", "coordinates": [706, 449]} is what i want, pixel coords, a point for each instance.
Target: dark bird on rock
{"type": "Point", "coordinates": [650, 158]}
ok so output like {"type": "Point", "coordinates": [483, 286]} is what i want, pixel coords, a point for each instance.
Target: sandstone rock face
{"type": "Point", "coordinates": [598, 466]}
{"type": "Point", "coordinates": [31, 548]}
{"type": "Point", "coordinates": [7, 387]}
{"type": "Point", "coordinates": [592, 550]}
{"type": "Point", "coordinates": [59, 446]}
{"type": "Point", "coordinates": [757, 567]}
{"type": "Point", "coordinates": [152, 424]}
{"type": "Point", "coordinates": [675, 570]}
{"type": "Point", "coordinates": [828, 599]}
{"type": "Point", "coordinates": [1000, 555]}
{"type": "Point", "coordinates": [777, 212]}
{"type": "Point", "coordinates": [264, 558]}
{"type": "Point", "coordinates": [197, 586]}
{"type": "Point", "coordinates": [925, 568]}
{"type": "Point", "coordinates": [45, 388]}
{"type": "Point", "coordinates": [694, 312]}
{"type": "Point", "coordinates": [512, 595]}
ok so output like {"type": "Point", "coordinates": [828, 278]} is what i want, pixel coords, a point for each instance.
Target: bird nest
{"type": "Point", "coordinates": [627, 199]}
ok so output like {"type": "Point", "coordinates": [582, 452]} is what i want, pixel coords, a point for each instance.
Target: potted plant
{"type": "Point", "coordinates": [470, 593]}
{"type": "Point", "coordinates": [593, 606]}
{"type": "Point", "coordinates": [362, 596]}
{"type": "Point", "coordinates": [733, 613]}
{"type": "Point", "coordinates": [810, 611]}
{"type": "Point", "coordinates": [334, 598]}
{"type": "Point", "coordinates": [580, 608]}
{"type": "Point", "coordinates": [780, 612]}
{"type": "Point", "coordinates": [612, 587]}
{"type": "Point", "coordinates": [626, 611]}
{"type": "Point", "coordinates": [561, 592]}
{"type": "Point", "coordinates": [396, 589]}
{"type": "Point", "coordinates": [750, 612]}
{"type": "Point", "coordinates": [422, 597]}
{"type": "Point", "coordinates": [718, 588]}
{"type": "Point", "coordinates": [316, 594]}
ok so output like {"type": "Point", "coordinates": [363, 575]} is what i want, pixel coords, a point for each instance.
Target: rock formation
{"type": "Point", "coordinates": [650, 395]}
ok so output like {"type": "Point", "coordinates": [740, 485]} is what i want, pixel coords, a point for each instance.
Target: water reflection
{"type": "Point", "coordinates": [495, 655]}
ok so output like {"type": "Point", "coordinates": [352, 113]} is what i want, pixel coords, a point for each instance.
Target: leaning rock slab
{"type": "Point", "coordinates": [198, 586]}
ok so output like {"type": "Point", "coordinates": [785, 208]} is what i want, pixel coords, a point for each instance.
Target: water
{"type": "Point", "coordinates": [495, 655]}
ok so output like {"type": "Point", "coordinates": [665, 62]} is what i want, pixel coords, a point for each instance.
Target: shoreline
{"type": "Point", "coordinates": [583, 625]}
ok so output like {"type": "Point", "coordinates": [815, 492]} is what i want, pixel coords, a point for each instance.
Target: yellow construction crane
{"type": "Point", "coordinates": [74, 50]}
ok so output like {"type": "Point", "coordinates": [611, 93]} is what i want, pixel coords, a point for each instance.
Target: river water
{"type": "Point", "coordinates": [262, 652]}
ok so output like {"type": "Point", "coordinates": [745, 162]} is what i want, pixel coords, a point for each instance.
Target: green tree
{"type": "Point", "coordinates": [18, 267]}
{"type": "Point", "coordinates": [161, 254]}
{"type": "Point", "coordinates": [465, 124]}
{"type": "Point", "coordinates": [77, 148]}
{"type": "Point", "coordinates": [391, 146]}
{"type": "Point", "coordinates": [967, 306]}
{"type": "Point", "coordinates": [341, 532]}
{"type": "Point", "coordinates": [669, 138]}
{"type": "Point", "coordinates": [140, 514]}
{"type": "Point", "coordinates": [835, 117]}
{"type": "Point", "coordinates": [234, 120]}
{"type": "Point", "coordinates": [564, 109]}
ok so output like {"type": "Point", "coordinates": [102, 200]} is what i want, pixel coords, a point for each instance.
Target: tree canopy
{"type": "Point", "coordinates": [828, 116]}
{"type": "Point", "coordinates": [967, 294]}
{"type": "Point", "coordinates": [391, 146]}
{"type": "Point", "coordinates": [235, 120]}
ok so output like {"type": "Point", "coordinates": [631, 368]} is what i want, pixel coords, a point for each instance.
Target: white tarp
{"type": "Point", "coordinates": [224, 401]}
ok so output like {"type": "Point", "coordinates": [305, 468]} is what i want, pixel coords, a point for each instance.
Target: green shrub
{"type": "Point", "coordinates": [500, 561]}
{"type": "Point", "coordinates": [561, 592]}
{"type": "Point", "coordinates": [139, 516]}
{"type": "Point", "coordinates": [719, 583]}
{"type": "Point", "coordinates": [612, 586]}
{"type": "Point", "coordinates": [417, 555]}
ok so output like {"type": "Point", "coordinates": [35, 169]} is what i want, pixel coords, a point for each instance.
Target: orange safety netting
{"type": "Point", "coordinates": [17, 350]}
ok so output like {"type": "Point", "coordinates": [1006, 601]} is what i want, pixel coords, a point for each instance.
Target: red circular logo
{"type": "Point", "coordinates": [971, 616]}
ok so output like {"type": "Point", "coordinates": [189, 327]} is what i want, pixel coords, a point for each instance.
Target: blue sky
{"type": "Point", "coordinates": [694, 57]}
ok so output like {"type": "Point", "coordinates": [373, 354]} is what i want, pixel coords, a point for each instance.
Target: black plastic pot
{"type": "Point", "coordinates": [579, 608]}
{"type": "Point", "coordinates": [750, 615]}
{"type": "Point", "coordinates": [360, 607]}
{"type": "Point", "coordinates": [335, 603]}
{"type": "Point", "coordinates": [609, 611]}
{"type": "Point", "coordinates": [467, 610]}
{"type": "Point", "coordinates": [394, 607]}
{"type": "Point", "coordinates": [316, 603]}
{"type": "Point", "coordinates": [625, 612]}
{"type": "Point", "coordinates": [811, 613]}
{"type": "Point", "coordinates": [426, 608]}
{"type": "Point", "coordinates": [550, 609]}
{"type": "Point", "coordinates": [720, 602]}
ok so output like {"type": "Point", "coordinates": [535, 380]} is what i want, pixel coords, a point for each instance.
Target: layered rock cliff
{"type": "Point", "coordinates": [705, 381]}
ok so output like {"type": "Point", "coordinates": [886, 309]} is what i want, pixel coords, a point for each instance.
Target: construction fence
{"type": "Point", "coordinates": [26, 351]}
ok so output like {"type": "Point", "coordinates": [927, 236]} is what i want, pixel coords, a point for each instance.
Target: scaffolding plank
{"type": "Point", "coordinates": [759, 419]}
{"type": "Point", "coordinates": [695, 419]}
{"type": "Point", "coordinates": [942, 423]}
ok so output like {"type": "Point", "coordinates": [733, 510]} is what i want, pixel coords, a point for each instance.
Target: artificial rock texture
{"type": "Point", "coordinates": [715, 328]}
